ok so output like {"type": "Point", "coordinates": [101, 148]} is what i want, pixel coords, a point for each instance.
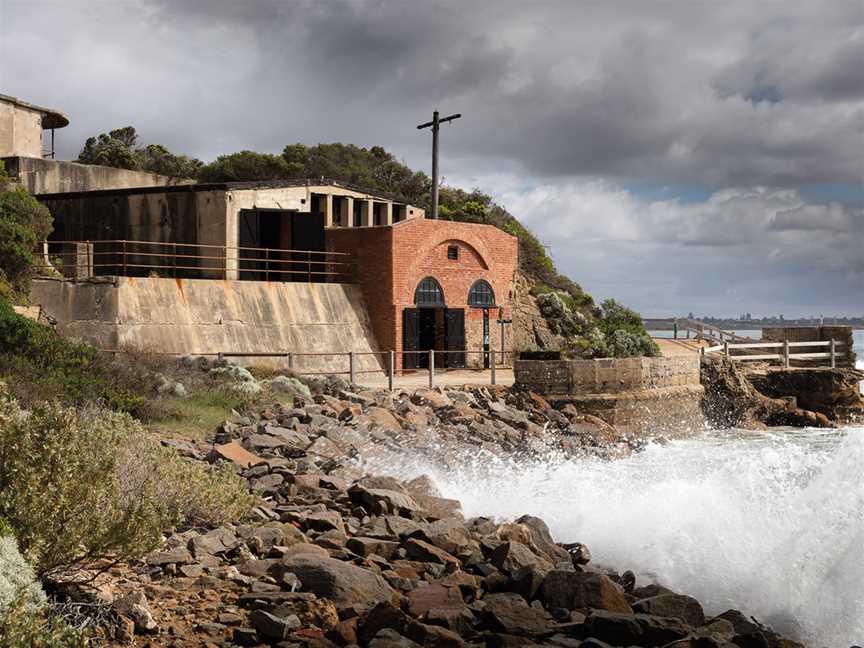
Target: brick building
{"type": "Point", "coordinates": [431, 284]}
{"type": "Point", "coordinates": [423, 284]}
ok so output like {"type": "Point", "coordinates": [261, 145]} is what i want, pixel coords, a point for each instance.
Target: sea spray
{"type": "Point", "coordinates": [768, 523]}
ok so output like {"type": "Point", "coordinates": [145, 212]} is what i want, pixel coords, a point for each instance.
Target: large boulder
{"type": "Point", "coordinates": [573, 589]}
{"type": "Point", "coordinates": [526, 569]}
{"type": "Point", "coordinates": [343, 583]}
{"type": "Point", "coordinates": [508, 612]}
{"type": "Point", "coordinates": [679, 606]}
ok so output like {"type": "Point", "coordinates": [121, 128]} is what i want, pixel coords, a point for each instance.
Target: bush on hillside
{"type": "Point", "coordinates": [24, 620]}
{"type": "Point", "coordinates": [24, 221]}
{"type": "Point", "coordinates": [17, 579]}
{"type": "Point", "coordinates": [41, 365]}
{"type": "Point", "coordinates": [26, 626]}
{"type": "Point", "coordinates": [80, 485]}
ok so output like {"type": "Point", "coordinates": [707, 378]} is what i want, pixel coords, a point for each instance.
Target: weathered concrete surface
{"type": "Point", "coordinates": [641, 396]}
{"type": "Point", "coordinates": [667, 411]}
{"type": "Point", "coordinates": [40, 176]}
{"type": "Point", "coordinates": [194, 316]}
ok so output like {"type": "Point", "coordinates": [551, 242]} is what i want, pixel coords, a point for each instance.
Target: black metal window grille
{"type": "Point", "coordinates": [481, 294]}
{"type": "Point", "coordinates": [429, 293]}
{"type": "Point", "coordinates": [453, 253]}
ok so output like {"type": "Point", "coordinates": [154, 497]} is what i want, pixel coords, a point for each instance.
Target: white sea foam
{"type": "Point", "coordinates": [771, 524]}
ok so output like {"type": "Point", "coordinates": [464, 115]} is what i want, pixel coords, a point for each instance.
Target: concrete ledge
{"type": "Point", "coordinates": [606, 375]}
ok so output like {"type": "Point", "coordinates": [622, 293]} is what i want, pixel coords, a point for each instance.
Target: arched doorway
{"type": "Point", "coordinates": [430, 325]}
{"type": "Point", "coordinates": [481, 295]}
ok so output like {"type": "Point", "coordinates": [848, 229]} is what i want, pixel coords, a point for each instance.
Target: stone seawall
{"type": "Point", "coordinates": [199, 316]}
{"type": "Point", "coordinates": [642, 396]}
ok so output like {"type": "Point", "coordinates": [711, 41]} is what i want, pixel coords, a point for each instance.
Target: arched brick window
{"type": "Point", "coordinates": [481, 294]}
{"type": "Point", "coordinates": [429, 293]}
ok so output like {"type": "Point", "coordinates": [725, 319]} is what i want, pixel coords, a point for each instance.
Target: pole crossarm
{"type": "Point", "coordinates": [434, 124]}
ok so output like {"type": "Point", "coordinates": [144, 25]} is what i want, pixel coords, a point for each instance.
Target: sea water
{"type": "Point", "coordinates": [769, 523]}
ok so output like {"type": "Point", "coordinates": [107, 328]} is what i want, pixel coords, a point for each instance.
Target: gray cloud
{"type": "Point", "coordinates": [750, 100]}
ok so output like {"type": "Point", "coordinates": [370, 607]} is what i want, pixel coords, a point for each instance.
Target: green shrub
{"type": "Point", "coordinates": [188, 492]}
{"type": "Point", "coordinates": [27, 626]}
{"type": "Point", "coordinates": [625, 344]}
{"type": "Point", "coordinates": [78, 485]}
{"type": "Point", "coordinates": [16, 578]}
{"type": "Point", "coordinates": [24, 221]}
{"type": "Point", "coordinates": [40, 365]}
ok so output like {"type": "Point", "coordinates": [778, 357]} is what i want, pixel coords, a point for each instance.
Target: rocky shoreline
{"type": "Point", "coordinates": [339, 557]}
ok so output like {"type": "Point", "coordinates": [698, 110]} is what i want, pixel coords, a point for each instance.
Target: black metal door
{"type": "Point", "coordinates": [410, 337]}
{"type": "Point", "coordinates": [307, 233]}
{"type": "Point", "coordinates": [454, 337]}
{"type": "Point", "coordinates": [249, 236]}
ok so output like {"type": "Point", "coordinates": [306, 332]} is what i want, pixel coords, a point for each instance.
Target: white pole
{"type": "Point", "coordinates": [431, 368]}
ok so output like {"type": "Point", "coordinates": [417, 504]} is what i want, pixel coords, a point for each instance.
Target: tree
{"type": "Point", "coordinates": [245, 166]}
{"type": "Point", "coordinates": [110, 149]}
{"type": "Point", "coordinates": [119, 148]}
{"type": "Point", "coordinates": [158, 159]}
{"type": "Point", "coordinates": [24, 221]}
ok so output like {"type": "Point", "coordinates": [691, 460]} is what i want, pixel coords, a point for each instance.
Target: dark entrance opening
{"type": "Point", "coordinates": [280, 245]}
{"type": "Point", "coordinates": [432, 326]}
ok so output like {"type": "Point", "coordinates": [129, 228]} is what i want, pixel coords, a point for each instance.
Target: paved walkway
{"type": "Point", "coordinates": [454, 378]}
{"type": "Point", "coordinates": [670, 348]}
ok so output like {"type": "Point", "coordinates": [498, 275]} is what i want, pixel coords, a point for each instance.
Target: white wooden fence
{"type": "Point", "coordinates": [743, 352]}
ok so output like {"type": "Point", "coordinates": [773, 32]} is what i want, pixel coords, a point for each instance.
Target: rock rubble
{"type": "Point", "coordinates": [339, 557]}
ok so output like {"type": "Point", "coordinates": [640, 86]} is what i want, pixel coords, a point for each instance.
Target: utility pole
{"type": "Point", "coordinates": [434, 124]}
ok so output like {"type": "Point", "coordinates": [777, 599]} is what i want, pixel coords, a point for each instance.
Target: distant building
{"type": "Point", "coordinates": [23, 126]}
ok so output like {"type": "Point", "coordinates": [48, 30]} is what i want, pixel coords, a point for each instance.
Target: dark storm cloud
{"type": "Point", "coordinates": [572, 100]}
{"type": "Point", "coordinates": [658, 92]}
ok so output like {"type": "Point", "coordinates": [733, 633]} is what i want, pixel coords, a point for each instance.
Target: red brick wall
{"type": "Point", "coordinates": [391, 261]}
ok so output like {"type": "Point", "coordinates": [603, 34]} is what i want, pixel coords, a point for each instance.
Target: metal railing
{"type": "Point", "coordinates": [192, 260]}
{"type": "Point", "coordinates": [698, 329]}
{"type": "Point", "coordinates": [388, 363]}
{"type": "Point", "coordinates": [741, 352]}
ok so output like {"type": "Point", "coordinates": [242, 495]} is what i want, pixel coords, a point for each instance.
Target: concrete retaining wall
{"type": "Point", "coordinates": [40, 176]}
{"type": "Point", "coordinates": [195, 316]}
{"type": "Point", "coordinates": [643, 396]}
{"type": "Point", "coordinates": [607, 375]}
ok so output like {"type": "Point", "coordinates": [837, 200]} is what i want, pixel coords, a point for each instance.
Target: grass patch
{"type": "Point", "coordinates": [197, 416]}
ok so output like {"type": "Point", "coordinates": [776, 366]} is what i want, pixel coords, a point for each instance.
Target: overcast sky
{"type": "Point", "coordinates": [680, 156]}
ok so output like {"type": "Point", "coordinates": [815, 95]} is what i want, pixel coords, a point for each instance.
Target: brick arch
{"type": "Point", "coordinates": [474, 244]}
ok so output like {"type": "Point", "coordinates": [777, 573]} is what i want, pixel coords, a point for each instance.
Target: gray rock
{"type": "Point", "coordinates": [679, 606]}
{"type": "Point", "coordinates": [508, 612]}
{"type": "Point", "coordinates": [270, 626]}
{"type": "Point", "coordinates": [134, 605]}
{"type": "Point", "coordinates": [526, 569]}
{"type": "Point", "coordinates": [324, 521]}
{"type": "Point", "coordinates": [572, 589]}
{"type": "Point", "coordinates": [343, 583]}
{"type": "Point", "coordinates": [176, 556]}
{"type": "Point", "coordinates": [388, 638]}
{"type": "Point", "coordinates": [213, 543]}
{"type": "Point", "coordinates": [382, 502]}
